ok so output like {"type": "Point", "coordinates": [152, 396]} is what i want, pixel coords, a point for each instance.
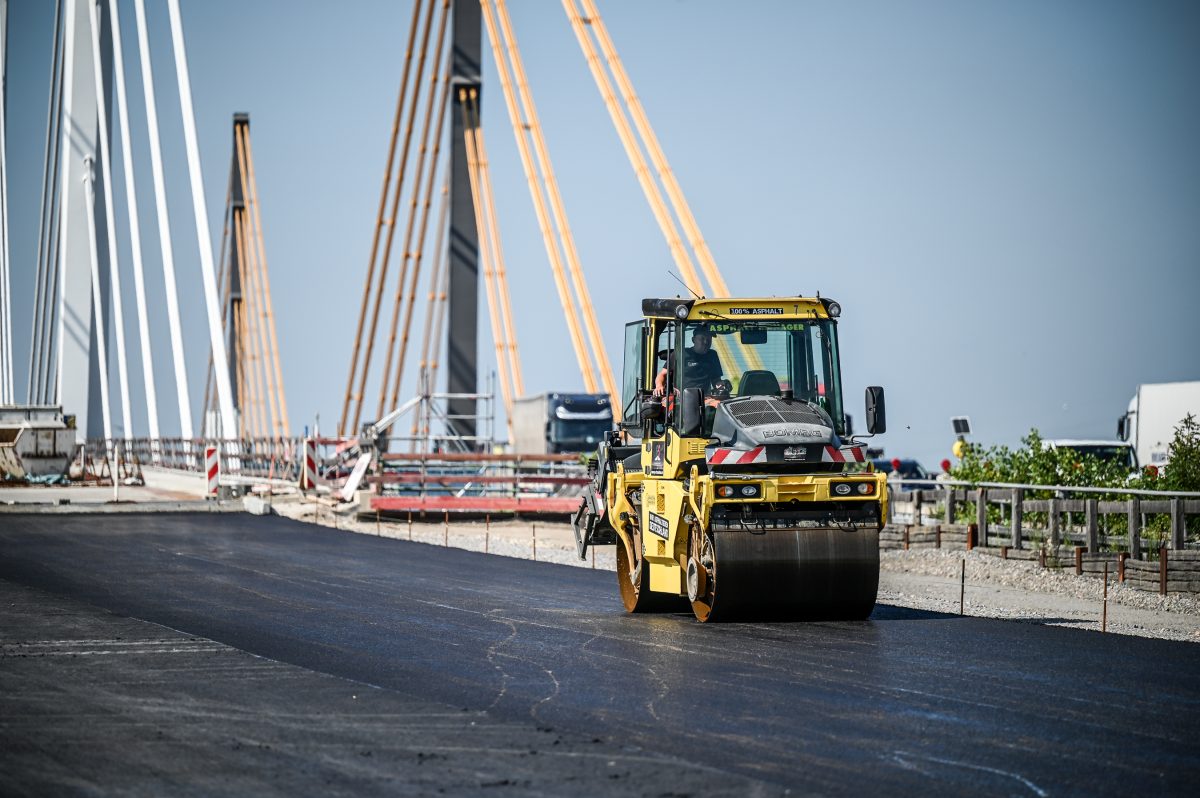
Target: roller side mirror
{"type": "Point", "coordinates": [876, 411]}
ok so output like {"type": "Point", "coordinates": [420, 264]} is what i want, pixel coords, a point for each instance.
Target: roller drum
{"type": "Point", "coordinates": [809, 573]}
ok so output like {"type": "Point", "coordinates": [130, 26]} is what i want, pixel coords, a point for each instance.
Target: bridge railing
{"type": "Point", "coordinates": [250, 458]}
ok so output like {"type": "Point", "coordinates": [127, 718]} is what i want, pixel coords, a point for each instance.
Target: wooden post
{"type": "Point", "coordinates": [906, 528]}
{"type": "Point", "coordinates": [1134, 520]}
{"type": "Point", "coordinates": [949, 505]}
{"type": "Point", "coordinates": [1018, 515]}
{"type": "Point", "coordinates": [1162, 571]}
{"type": "Point", "coordinates": [1093, 526]}
{"type": "Point", "coordinates": [1178, 528]}
{"type": "Point", "coordinates": [962, 587]}
{"type": "Point", "coordinates": [981, 516]}
{"type": "Point", "coordinates": [1079, 560]}
{"type": "Point", "coordinates": [918, 496]}
{"type": "Point", "coordinates": [1121, 558]}
{"type": "Point", "coordinates": [1055, 539]}
{"type": "Point", "coordinates": [1104, 613]}
{"type": "Point", "coordinates": [937, 536]}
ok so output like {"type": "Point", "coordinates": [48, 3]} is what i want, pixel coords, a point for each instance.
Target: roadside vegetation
{"type": "Point", "coordinates": [1035, 463]}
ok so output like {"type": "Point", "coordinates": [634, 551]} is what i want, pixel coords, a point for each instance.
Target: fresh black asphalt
{"type": "Point", "coordinates": [908, 702]}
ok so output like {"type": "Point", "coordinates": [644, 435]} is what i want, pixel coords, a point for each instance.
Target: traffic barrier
{"type": "Point", "coordinates": [309, 479]}
{"type": "Point", "coordinates": [212, 468]}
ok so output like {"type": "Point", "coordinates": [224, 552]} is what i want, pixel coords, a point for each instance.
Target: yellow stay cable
{"type": "Point", "coordinates": [539, 202]}
{"type": "Point", "coordinates": [583, 297]}
{"type": "Point", "coordinates": [485, 256]}
{"type": "Point", "coordinates": [258, 311]}
{"type": "Point", "coordinates": [501, 272]}
{"type": "Point", "coordinates": [282, 428]}
{"type": "Point", "coordinates": [439, 332]}
{"type": "Point", "coordinates": [247, 421]}
{"type": "Point", "coordinates": [380, 220]}
{"type": "Point", "coordinates": [640, 168]}
{"type": "Point", "coordinates": [390, 354]}
{"type": "Point", "coordinates": [657, 156]}
{"type": "Point", "coordinates": [424, 380]}
{"type": "Point", "coordinates": [732, 351]}
{"type": "Point", "coordinates": [391, 220]}
{"type": "Point", "coordinates": [423, 227]}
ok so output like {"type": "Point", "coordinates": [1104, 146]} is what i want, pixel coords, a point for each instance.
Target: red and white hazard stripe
{"type": "Point", "coordinates": [212, 467]}
{"type": "Point", "coordinates": [722, 455]}
{"type": "Point", "coordinates": [848, 454]}
{"type": "Point", "coordinates": [308, 474]}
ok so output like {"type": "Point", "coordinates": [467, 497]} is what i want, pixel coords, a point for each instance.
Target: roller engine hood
{"type": "Point", "coordinates": [752, 421]}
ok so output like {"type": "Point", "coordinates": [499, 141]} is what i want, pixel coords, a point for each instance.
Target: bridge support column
{"type": "Point", "coordinates": [463, 295]}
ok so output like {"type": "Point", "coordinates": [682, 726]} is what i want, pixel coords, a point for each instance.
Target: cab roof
{"type": "Point", "coordinates": [740, 308]}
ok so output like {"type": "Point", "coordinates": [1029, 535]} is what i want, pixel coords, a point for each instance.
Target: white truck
{"type": "Point", "coordinates": [1154, 413]}
{"type": "Point", "coordinates": [558, 423]}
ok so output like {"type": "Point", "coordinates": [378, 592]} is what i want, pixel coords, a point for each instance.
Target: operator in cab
{"type": "Point", "coordinates": [701, 368]}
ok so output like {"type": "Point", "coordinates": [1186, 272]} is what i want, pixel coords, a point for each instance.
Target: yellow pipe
{"type": "Point", "coordinates": [539, 202]}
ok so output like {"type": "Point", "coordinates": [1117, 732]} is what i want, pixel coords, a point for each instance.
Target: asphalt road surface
{"type": "Point", "coordinates": [543, 684]}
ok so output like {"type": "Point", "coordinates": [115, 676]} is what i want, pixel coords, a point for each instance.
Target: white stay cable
{"type": "Point", "coordinates": [114, 271]}
{"type": "Point", "coordinates": [97, 308]}
{"type": "Point", "coordinates": [164, 225]}
{"type": "Point", "coordinates": [7, 392]}
{"type": "Point", "coordinates": [135, 233]}
{"type": "Point", "coordinates": [220, 359]}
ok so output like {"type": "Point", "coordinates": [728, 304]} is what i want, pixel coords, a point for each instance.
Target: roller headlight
{"type": "Point", "coordinates": [833, 309]}
{"type": "Point", "coordinates": [749, 491]}
{"type": "Point", "coordinates": [866, 488]}
{"type": "Point", "coordinates": [842, 489]}
{"type": "Point", "coordinates": [682, 311]}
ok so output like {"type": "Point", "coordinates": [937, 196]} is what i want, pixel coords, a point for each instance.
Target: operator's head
{"type": "Point", "coordinates": [701, 338]}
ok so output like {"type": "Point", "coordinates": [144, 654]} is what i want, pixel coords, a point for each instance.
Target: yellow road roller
{"type": "Point", "coordinates": [731, 483]}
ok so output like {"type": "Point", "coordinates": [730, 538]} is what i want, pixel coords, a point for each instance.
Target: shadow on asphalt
{"type": "Point", "coordinates": [889, 612]}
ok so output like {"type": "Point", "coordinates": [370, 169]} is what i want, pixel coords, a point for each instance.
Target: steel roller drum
{"type": "Point", "coordinates": [808, 573]}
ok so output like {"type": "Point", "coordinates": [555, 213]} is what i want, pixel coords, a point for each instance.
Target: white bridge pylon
{"type": "Point", "coordinates": [79, 278]}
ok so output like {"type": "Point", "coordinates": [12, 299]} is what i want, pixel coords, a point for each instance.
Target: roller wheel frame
{"type": "Point", "coordinates": [637, 596]}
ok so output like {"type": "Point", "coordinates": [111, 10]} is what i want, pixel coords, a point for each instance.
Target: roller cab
{"type": "Point", "coordinates": [735, 487]}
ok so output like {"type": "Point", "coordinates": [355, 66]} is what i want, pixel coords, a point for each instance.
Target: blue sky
{"type": "Point", "coordinates": [1004, 196]}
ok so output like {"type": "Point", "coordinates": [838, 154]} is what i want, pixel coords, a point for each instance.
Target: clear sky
{"type": "Point", "coordinates": [1004, 196]}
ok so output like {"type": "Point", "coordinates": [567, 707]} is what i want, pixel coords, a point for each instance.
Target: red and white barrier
{"type": "Point", "coordinates": [212, 468]}
{"type": "Point", "coordinates": [309, 478]}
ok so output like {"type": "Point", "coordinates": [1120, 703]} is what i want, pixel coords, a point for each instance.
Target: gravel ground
{"type": "Point", "coordinates": [924, 579]}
